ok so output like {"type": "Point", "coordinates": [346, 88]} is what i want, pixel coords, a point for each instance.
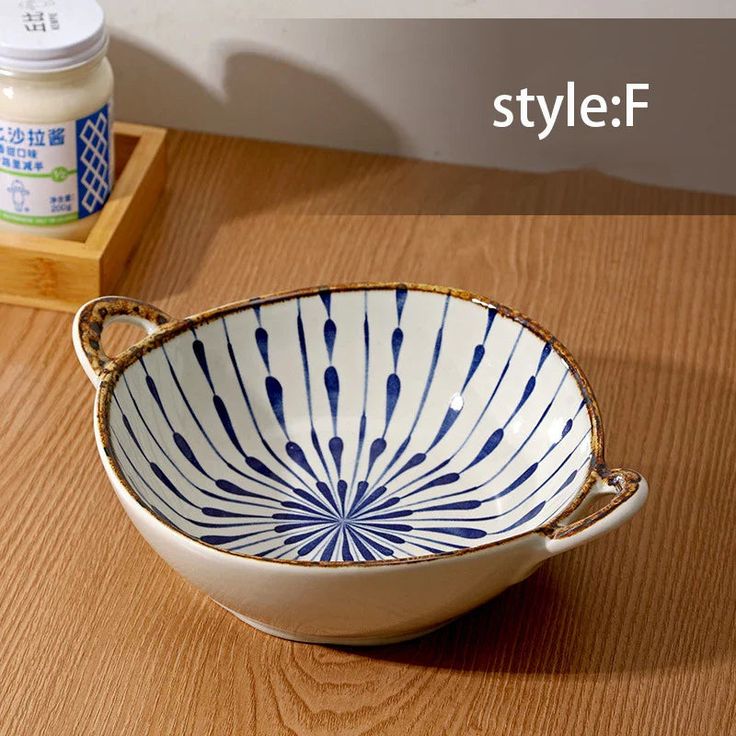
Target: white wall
{"type": "Point", "coordinates": [425, 88]}
{"type": "Point", "coordinates": [240, 10]}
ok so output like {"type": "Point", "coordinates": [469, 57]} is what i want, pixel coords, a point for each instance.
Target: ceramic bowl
{"type": "Point", "coordinates": [355, 464]}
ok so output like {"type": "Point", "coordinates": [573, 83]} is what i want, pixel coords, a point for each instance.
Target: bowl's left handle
{"type": "Point", "coordinates": [91, 319]}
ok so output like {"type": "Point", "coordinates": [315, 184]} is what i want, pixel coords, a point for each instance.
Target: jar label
{"type": "Point", "coordinates": [51, 174]}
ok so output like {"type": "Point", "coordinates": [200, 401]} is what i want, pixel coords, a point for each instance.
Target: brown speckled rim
{"type": "Point", "coordinates": [110, 370]}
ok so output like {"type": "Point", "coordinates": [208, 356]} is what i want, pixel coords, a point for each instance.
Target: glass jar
{"type": "Point", "coordinates": [56, 147]}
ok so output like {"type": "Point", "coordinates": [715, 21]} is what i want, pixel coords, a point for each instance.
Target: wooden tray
{"type": "Point", "coordinates": [63, 274]}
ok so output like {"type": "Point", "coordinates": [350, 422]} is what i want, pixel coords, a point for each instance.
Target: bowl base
{"type": "Point", "coordinates": [346, 641]}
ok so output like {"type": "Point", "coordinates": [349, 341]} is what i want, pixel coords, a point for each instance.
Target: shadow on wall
{"type": "Point", "coordinates": [262, 97]}
{"type": "Point", "coordinates": [269, 98]}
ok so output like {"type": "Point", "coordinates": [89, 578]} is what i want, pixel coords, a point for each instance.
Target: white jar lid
{"type": "Point", "coordinates": [50, 35]}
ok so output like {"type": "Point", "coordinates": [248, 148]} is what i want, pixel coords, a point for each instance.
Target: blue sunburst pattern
{"type": "Point", "coordinates": [351, 426]}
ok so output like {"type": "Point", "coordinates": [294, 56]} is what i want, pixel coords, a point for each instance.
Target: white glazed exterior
{"type": "Point", "coordinates": [356, 603]}
{"type": "Point", "coordinates": [360, 603]}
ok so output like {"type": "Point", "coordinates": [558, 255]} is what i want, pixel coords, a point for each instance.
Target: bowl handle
{"type": "Point", "coordinates": [90, 321]}
{"type": "Point", "coordinates": [628, 490]}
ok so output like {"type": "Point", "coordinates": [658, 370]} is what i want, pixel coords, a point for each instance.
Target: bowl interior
{"type": "Point", "coordinates": [353, 425]}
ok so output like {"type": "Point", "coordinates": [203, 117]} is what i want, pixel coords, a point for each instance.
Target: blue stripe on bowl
{"type": "Point", "coordinates": [352, 426]}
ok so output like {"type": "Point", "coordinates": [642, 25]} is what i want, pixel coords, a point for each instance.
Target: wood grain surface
{"type": "Point", "coordinates": [633, 634]}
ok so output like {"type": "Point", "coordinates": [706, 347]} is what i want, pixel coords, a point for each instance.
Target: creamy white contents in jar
{"type": "Point", "coordinates": [56, 147]}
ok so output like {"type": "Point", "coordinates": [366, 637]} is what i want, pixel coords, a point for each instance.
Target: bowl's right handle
{"type": "Point", "coordinates": [91, 319]}
{"type": "Point", "coordinates": [628, 491]}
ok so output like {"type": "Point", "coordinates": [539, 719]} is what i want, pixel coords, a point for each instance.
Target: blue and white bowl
{"type": "Point", "coordinates": [353, 464]}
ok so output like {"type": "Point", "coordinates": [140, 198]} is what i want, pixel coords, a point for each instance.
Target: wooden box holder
{"type": "Point", "coordinates": [63, 274]}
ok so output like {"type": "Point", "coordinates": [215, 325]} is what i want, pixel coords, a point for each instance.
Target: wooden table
{"type": "Point", "coordinates": [634, 634]}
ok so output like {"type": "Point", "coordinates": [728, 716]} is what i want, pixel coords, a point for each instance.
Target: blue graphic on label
{"type": "Point", "coordinates": [19, 194]}
{"type": "Point", "coordinates": [52, 174]}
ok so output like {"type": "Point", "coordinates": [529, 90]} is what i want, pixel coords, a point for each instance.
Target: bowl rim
{"type": "Point", "coordinates": [117, 365]}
